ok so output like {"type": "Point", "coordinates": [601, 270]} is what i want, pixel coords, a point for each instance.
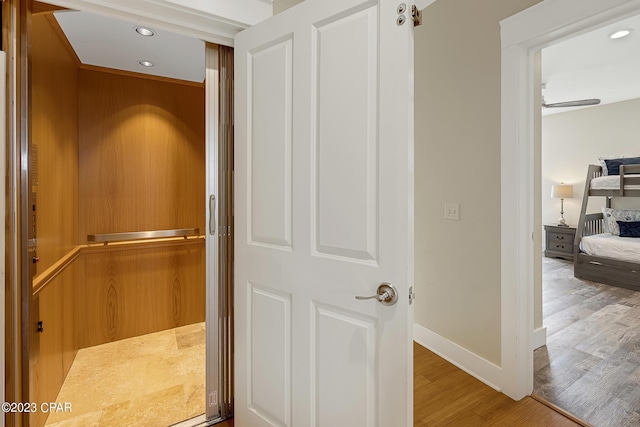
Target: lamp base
{"type": "Point", "coordinates": [562, 222]}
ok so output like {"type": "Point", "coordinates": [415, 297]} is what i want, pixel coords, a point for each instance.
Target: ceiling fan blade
{"type": "Point", "coordinates": [578, 103]}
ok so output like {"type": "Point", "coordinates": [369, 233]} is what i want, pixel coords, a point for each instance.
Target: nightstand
{"type": "Point", "coordinates": [559, 242]}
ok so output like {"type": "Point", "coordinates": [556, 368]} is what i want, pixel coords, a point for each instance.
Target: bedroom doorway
{"type": "Point", "coordinates": [523, 35]}
{"type": "Point", "coordinates": [591, 343]}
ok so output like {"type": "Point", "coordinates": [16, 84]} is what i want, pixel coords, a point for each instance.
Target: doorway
{"type": "Point", "coordinates": [522, 36]}
{"type": "Point", "coordinates": [143, 144]}
{"type": "Point", "coordinates": [589, 325]}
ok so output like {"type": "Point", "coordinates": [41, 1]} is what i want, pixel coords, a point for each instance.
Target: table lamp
{"type": "Point", "coordinates": [562, 191]}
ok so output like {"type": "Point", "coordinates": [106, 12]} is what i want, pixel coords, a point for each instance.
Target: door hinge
{"type": "Point", "coordinates": [412, 296]}
{"type": "Point", "coordinates": [416, 15]}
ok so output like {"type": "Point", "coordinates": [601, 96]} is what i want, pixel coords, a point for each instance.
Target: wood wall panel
{"type": "Point", "coordinates": [135, 292]}
{"type": "Point", "coordinates": [58, 341]}
{"type": "Point", "coordinates": [54, 130]}
{"type": "Point", "coordinates": [141, 154]}
{"type": "Point", "coordinates": [142, 167]}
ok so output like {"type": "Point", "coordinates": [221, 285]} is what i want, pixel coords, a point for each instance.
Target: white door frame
{"type": "Point", "coordinates": [523, 34]}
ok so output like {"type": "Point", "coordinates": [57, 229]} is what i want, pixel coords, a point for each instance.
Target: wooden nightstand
{"type": "Point", "coordinates": [559, 242]}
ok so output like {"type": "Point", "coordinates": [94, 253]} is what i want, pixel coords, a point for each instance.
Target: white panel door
{"type": "Point", "coordinates": [323, 210]}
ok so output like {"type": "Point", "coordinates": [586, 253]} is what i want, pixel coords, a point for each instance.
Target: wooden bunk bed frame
{"type": "Point", "coordinates": [610, 271]}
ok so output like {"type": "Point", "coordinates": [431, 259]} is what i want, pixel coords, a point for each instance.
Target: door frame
{"type": "Point", "coordinates": [176, 18]}
{"type": "Point", "coordinates": [3, 143]}
{"type": "Point", "coordinates": [212, 346]}
{"type": "Point", "coordinates": [524, 34]}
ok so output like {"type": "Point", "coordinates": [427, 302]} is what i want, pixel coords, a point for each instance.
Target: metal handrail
{"type": "Point", "coordinates": [143, 235]}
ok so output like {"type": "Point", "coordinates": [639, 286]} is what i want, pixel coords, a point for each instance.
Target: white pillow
{"type": "Point", "coordinates": [613, 215]}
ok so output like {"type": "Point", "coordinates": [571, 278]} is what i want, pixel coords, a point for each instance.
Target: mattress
{"type": "Point", "coordinates": [607, 245]}
{"type": "Point", "coordinates": [611, 182]}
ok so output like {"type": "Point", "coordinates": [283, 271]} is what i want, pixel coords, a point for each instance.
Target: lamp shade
{"type": "Point", "coordinates": [562, 191]}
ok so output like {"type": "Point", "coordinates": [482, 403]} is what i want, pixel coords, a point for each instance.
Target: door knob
{"type": "Point", "coordinates": [386, 294]}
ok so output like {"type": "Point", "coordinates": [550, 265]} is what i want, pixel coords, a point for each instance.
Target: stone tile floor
{"type": "Point", "coordinates": [152, 380]}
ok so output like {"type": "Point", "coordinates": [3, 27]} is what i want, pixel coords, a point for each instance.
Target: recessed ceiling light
{"type": "Point", "coordinates": [144, 31]}
{"type": "Point", "coordinates": [620, 34]}
{"type": "Point", "coordinates": [146, 63]}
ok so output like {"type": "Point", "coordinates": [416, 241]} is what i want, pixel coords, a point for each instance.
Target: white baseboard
{"type": "Point", "coordinates": [471, 363]}
{"type": "Point", "coordinates": [539, 338]}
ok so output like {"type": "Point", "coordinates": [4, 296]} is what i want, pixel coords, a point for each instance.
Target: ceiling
{"type": "Point", "coordinates": [102, 33]}
{"type": "Point", "coordinates": [113, 43]}
{"type": "Point", "coordinates": [593, 66]}
{"type": "Point", "coordinates": [587, 66]}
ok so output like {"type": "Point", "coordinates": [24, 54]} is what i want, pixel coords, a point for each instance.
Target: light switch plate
{"type": "Point", "coordinates": [452, 211]}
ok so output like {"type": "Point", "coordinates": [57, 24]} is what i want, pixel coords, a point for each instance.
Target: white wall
{"type": "Point", "coordinates": [457, 145]}
{"type": "Point", "coordinates": [281, 5]}
{"type": "Point", "coordinates": [573, 140]}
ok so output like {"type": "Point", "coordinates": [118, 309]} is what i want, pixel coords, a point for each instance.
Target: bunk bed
{"type": "Point", "coordinates": [599, 254]}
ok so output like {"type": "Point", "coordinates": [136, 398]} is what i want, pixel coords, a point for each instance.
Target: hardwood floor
{"type": "Point", "coordinates": [590, 366]}
{"type": "Point", "coordinates": [444, 395]}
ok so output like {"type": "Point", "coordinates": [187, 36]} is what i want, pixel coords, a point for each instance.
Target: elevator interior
{"type": "Point", "coordinates": [121, 226]}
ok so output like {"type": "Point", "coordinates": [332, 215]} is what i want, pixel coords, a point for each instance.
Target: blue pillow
{"type": "Point", "coordinates": [629, 229]}
{"type": "Point", "coordinates": [613, 165]}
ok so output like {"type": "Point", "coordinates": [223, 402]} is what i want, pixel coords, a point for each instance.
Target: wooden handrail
{"type": "Point", "coordinates": [43, 279]}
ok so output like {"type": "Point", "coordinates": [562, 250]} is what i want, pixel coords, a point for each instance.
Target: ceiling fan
{"type": "Point", "coordinates": [576, 103]}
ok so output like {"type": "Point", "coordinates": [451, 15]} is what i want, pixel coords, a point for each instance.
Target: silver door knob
{"type": "Point", "coordinates": [386, 294]}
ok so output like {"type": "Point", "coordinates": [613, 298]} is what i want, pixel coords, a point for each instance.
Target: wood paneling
{"type": "Point", "coordinates": [141, 75]}
{"type": "Point", "coordinates": [141, 168]}
{"type": "Point", "coordinates": [54, 130]}
{"type": "Point", "coordinates": [54, 137]}
{"type": "Point", "coordinates": [58, 341]}
{"type": "Point", "coordinates": [55, 26]}
{"type": "Point", "coordinates": [47, 276]}
{"type": "Point", "coordinates": [58, 267]}
{"type": "Point", "coordinates": [40, 7]}
{"type": "Point", "coordinates": [141, 154]}
{"type": "Point", "coordinates": [134, 292]}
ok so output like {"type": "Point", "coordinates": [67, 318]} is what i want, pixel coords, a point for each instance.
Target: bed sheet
{"type": "Point", "coordinates": [607, 245]}
{"type": "Point", "coordinates": [611, 182]}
